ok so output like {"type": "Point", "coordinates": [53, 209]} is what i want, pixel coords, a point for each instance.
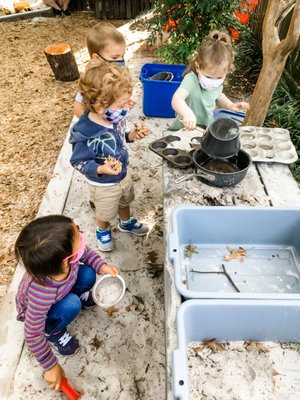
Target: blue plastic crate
{"type": "Point", "coordinates": [230, 320]}
{"type": "Point", "coordinates": [157, 95]}
{"type": "Point", "coordinates": [269, 235]}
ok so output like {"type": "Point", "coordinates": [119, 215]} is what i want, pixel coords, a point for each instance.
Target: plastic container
{"type": "Point", "coordinates": [202, 236]}
{"type": "Point", "coordinates": [157, 95]}
{"type": "Point", "coordinates": [108, 290]}
{"type": "Point", "coordinates": [221, 139]}
{"type": "Point", "coordinates": [237, 116]}
{"type": "Point", "coordinates": [230, 320]}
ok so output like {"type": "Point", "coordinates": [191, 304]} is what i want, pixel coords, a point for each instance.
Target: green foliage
{"type": "Point", "coordinates": [248, 55]}
{"type": "Point", "coordinates": [188, 23]}
{"type": "Point", "coordinates": [284, 111]}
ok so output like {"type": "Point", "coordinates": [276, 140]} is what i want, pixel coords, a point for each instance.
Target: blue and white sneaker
{"type": "Point", "coordinates": [133, 226]}
{"type": "Point", "coordinates": [105, 241]}
{"type": "Point", "coordinates": [64, 342]}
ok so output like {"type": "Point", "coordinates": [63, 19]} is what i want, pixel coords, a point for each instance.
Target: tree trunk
{"type": "Point", "coordinates": [62, 62]}
{"type": "Point", "coordinates": [275, 53]}
{"type": "Point", "coordinates": [268, 79]}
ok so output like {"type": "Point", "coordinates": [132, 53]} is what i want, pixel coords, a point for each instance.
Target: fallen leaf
{"type": "Point", "coordinates": [189, 250]}
{"type": "Point", "coordinates": [274, 373]}
{"type": "Point", "coordinates": [214, 345]}
{"type": "Point", "coordinates": [111, 310]}
{"type": "Point", "coordinates": [255, 346]}
{"type": "Point", "coordinates": [197, 349]}
{"type": "Point", "coordinates": [235, 254]}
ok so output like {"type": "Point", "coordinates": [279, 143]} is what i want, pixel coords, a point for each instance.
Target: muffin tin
{"type": "Point", "coordinates": [168, 147]}
{"type": "Point", "coordinates": [268, 144]}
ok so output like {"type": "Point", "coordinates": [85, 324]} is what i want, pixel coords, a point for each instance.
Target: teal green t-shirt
{"type": "Point", "coordinates": [201, 101]}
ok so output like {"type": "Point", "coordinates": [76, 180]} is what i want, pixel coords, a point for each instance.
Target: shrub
{"type": "Point", "coordinates": [188, 23]}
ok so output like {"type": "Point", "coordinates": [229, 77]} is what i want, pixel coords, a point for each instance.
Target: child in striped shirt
{"type": "Point", "coordinates": [60, 273]}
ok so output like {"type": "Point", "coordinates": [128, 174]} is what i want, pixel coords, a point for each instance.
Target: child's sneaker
{"type": "Point", "coordinates": [64, 342]}
{"type": "Point", "coordinates": [105, 241]}
{"type": "Point", "coordinates": [86, 299]}
{"type": "Point", "coordinates": [133, 226]}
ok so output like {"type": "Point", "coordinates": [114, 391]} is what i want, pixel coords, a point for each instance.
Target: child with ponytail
{"type": "Point", "coordinates": [201, 90]}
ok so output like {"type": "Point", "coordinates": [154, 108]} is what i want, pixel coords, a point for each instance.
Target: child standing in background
{"type": "Point", "coordinates": [104, 42]}
{"type": "Point", "coordinates": [60, 273]}
{"type": "Point", "coordinates": [99, 148]}
{"type": "Point", "coordinates": [201, 89]}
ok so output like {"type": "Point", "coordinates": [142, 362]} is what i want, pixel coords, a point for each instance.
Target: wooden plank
{"type": "Point", "coordinates": [122, 9]}
{"type": "Point", "coordinates": [106, 10]}
{"type": "Point", "coordinates": [128, 9]}
{"type": "Point", "coordinates": [115, 10]}
{"type": "Point", "coordinates": [136, 7]}
{"type": "Point", "coordinates": [280, 184]}
{"type": "Point", "coordinates": [98, 6]}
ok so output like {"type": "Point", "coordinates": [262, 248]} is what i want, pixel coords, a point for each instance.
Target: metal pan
{"type": "Point", "coordinates": [219, 172]}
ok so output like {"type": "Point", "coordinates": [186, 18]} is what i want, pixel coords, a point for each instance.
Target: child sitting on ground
{"type": "Point", "coordinates": [201, 89]}
{"type": "Point", "coordinates": [60, 273]}
{"type": "Point", "coordinates": [99, 148]}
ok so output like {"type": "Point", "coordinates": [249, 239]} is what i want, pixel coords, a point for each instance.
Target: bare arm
{"type": "Point", "coordinates": [224, 102]}
{"type": "Point", "coordinates": [183, 110]}
{"type": "Point", "coordinates": [78, 108]}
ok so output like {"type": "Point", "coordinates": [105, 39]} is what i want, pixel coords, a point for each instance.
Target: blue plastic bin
{"type": "Point", "coordinates": [270, 236]}
{"type": "Point", "coordinates": [157, 95]}
{"type": "Point", "coordinates": [230, 320]}
{"type": "Point", "coordinates": [237, 116]}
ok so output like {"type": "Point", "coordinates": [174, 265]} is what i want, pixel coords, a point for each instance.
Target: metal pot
{"type": "Point", "coordinates": [219, 172]}
{"type": "Point", "coordinates": [221, 139]}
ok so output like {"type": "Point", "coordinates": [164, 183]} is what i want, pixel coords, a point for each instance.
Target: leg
{"type": "Point", "coordinates": [86, 279]}
{"type": "Point", "coordinates": [62, 313]}
{"type": "Point", "coordinates": [106, 200]}
{"type": "Point", "coordinates": [127, 223]}
{"type": "Point", "coordinates": [124, 213]}
{"type": "Point", "coordinates": [103, 225]}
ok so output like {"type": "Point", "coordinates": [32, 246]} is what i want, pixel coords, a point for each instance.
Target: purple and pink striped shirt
{"type": "Point", "coordinates": [34, 300]}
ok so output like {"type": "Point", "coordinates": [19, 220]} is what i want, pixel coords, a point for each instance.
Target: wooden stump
{"type": "Point", "coordinates": [62, 62]}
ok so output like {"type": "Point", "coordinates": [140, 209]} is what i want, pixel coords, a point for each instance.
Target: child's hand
{"type": "Point", "coordinates": [242, 105]}
{"type": "Point", "coordinates": [109, 269]}
{"type": "Point", "coordinates": [189, 120]}
{"type": "Point", "coordinates": [54, 376]}
{"type": "Point", "coordinates": [110, 167]}
{"type": "Point", "coordinates": [138, 132]}
{"type": "Point", "coordinates": [131, 103]}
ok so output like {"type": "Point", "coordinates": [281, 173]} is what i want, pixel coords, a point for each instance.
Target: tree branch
{"type": "Point", "coordinates": [293, 34]}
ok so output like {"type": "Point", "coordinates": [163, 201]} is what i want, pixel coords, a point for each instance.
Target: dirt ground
{"type": "Point", "coordinates": [36, 113]}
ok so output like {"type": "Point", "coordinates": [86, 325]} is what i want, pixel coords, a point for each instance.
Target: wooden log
{"type": "Point", "coordinates": [62, 62]}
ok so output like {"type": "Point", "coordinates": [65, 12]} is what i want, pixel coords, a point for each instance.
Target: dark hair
{"type": "Point", "coordinates": [215, 49]}
{"type": "Point", "coordinates": [43, 244]}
